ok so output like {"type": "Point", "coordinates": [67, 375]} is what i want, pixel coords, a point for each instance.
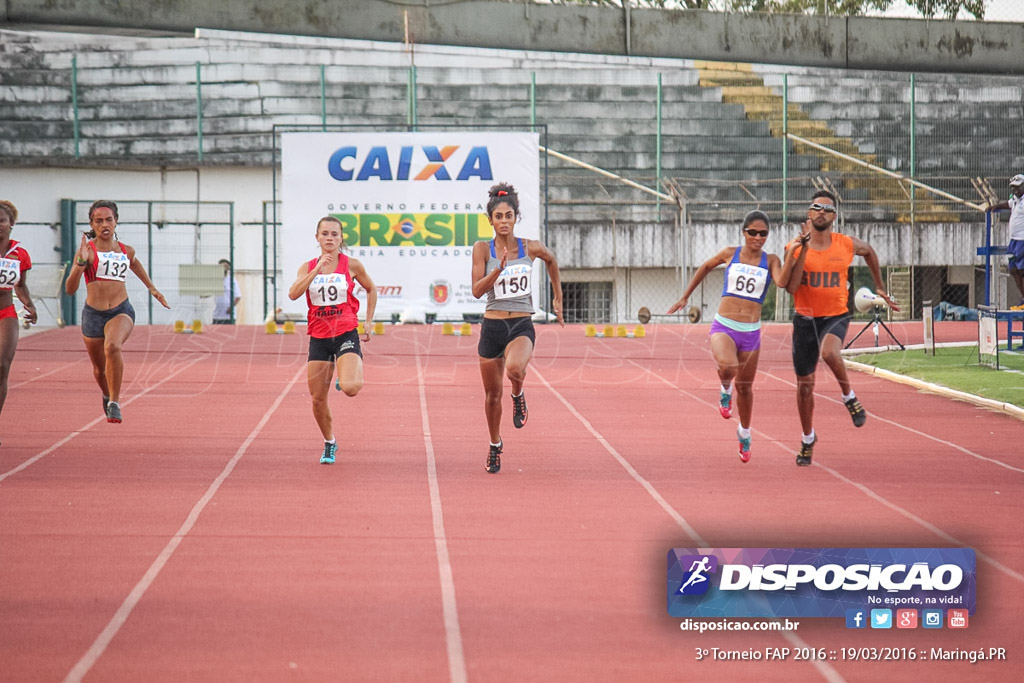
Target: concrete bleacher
{"type": "Point", "coordinates": [137, 103]}
{"type": "Point", "coordinates": [137, 106]}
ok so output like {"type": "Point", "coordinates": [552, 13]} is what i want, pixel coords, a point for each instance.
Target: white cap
{"type": "Point", "coordinates": [1017, 180]}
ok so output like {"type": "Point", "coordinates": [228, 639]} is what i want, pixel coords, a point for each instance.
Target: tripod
{"type": "Point", "coordinates": [874, 323]}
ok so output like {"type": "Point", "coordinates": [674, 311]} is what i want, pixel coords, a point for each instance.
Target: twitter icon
{"type": "Point", "coordinates": [881, 618]}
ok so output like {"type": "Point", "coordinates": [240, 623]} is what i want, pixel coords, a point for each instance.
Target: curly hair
{"type": "Point", "coordinates": [503, 192]}
{"type": "Point", "coordinates": [9, 208]}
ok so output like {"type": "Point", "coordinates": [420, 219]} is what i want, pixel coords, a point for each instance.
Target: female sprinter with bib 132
{"type": "Point", "coordinates": [14, 264]}
{"type": "Point", "coordinates": [736, 331]}
{"type": "Point", "coordinates": [502, 270]}
{"type": "Point", "coordinates": [328, 283]}
{"type": "Point", "coordinates": [108, 317]}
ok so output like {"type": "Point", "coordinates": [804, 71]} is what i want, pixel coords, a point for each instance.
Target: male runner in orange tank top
{"type": "Point", "coordinates": [821, 315]}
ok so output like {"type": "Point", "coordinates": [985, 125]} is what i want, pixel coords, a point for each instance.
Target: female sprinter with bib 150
{"type": "Point", "coordinates": [502, 270]}
{"type": "Point", "coordinates": [14, 264]}
{"type": "Point", "coordinates": [736, 331]}
{"type": "Point", "coordinates": [108, 317]}
{"type": "Point", "coordinates": [328, 283]}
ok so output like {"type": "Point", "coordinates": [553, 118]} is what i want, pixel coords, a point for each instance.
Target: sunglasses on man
{"type": "Point", "coordinates": [827, 208]}
{"type": "Point", "coordinates": [756, 233]}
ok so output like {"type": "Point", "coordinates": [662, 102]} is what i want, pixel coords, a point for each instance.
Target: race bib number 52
{"type": "Point", "coordinates": [10, 273]}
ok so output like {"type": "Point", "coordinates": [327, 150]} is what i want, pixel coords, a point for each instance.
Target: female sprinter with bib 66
{"type": "Point", "coordinates": [736, 331]}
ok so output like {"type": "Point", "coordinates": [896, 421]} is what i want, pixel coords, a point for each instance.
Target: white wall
{"type": "Point", "coordinates": [37, 193]}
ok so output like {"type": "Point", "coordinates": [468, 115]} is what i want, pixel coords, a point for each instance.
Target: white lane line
{"type": "Point", "coordinates": [452, 633]}
{"type": "Point", "coordinates": [42, 454]}
{"type": "Point", "coordinates": [926, 435]}
{"type": "Point", "coordinates": [679, 519]}
{"type": "Point", "coordinates": [825, 669]}
{"type": "Point", "coordinates": [864, 489]}
{"type": "Point", "coordinates": [45, 374]}
{"type": "Point", "coordinates": [92, 655]}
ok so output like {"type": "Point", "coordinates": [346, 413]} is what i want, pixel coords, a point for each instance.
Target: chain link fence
{"type": "Point", "coordinates": [178, 243]}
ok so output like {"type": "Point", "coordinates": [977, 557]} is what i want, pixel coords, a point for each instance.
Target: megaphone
{"type": "Point", "coordinates": [864, 300]}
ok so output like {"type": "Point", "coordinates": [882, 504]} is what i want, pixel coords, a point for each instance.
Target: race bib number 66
{"type": "Point", "coordinates": [746, 280]}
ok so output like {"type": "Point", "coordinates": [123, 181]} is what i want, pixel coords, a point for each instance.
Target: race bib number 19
{"type": "Point", "coordinates": [111, 265]}
{"type": "Point", "coordinates": [746, 281]}
{"type": "Point", "coordinates": [327, 290]}
{"type": "Point", "coordinates": [10, 273]}
{"type": "Point", "coordinates": [514, 281]}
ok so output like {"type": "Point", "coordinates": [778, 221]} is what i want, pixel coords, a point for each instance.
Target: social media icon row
{"type": "Point", "coordinates": [905, 618]}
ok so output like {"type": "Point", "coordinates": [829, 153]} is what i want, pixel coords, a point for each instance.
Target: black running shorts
{"type": "Point", "coordinates": [807, 336]}
{"type": "Point", "coordinates": [329, 349]}
{"type": "Point", "coordinates": [497, 333]}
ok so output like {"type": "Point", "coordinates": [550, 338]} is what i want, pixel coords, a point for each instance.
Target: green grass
{"type": "Point", "coordinates": [957, 368]}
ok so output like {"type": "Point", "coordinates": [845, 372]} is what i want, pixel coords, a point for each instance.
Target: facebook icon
{"type": "Point", "coordinates": [856, 618]}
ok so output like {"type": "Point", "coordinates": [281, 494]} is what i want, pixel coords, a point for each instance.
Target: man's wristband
{"type": "Point", "coordinates": [80, 262]}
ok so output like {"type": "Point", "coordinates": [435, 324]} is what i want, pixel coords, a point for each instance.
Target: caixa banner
{"type": "Point", "coordinates": [411, 206]}
{"type": "Point", "coordinates": [816, 582]}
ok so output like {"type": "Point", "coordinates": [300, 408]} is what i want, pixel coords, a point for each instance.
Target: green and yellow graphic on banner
{"type": "Point", "coordinates": [414, 229]}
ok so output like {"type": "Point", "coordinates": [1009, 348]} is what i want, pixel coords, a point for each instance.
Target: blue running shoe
{"type": "Point", "coordinates": [744, 448]}
{"type": "Point", "coordinates": [725, 405]}
{"type": "Point", "coordinates": [328, 455]}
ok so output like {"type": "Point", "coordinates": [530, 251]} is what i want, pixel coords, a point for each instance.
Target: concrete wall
{"type": "Point", "coordinates": [841, 42]}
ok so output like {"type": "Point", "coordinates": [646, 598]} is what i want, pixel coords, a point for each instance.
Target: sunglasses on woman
{"type": "Point", "coordinates": [756, 233]}
{"type": "Point", "coordinates": [827, 208]}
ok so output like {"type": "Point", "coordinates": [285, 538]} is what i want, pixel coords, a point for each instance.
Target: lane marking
{"type": "Point", "coordinates": [452, 632]}
{"type": "Point", "coordinates": [936, 439]}
{"type": "Point", "coordinates": [42, 454]}
{"type": "Point", "coordinates": [826, 670]}
{"type": "Point", "coordinates": [92, 655]}
{"type": "Point", "coordinates": [864, 489]}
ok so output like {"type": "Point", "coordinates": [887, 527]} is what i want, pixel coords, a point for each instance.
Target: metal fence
{"type": "Point", "coordinates": [170, 238]}
{"type": "Point", "coordinates": [712, 141]}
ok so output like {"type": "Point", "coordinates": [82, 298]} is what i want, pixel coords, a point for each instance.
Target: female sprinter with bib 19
{"type": "Point", "coordinates": [108, 317]}
{"type": "Point", "coordinates": [328, 283]}
{"type": "Point", "coordinates": [14, 264]}
{"type": "Point", "coordinates": [736, 331]}
{"type": "Point", "coordinates": [502, 270]}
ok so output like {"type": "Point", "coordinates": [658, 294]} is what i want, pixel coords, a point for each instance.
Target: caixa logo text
{"type": "Point", "coordinates": [347, 163]}
{"type": "Point", "coordinates": [830, 577]}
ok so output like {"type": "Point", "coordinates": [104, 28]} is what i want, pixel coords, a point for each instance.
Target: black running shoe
{"type": "Point", "coordinates": [856, 412]}
{"type": "Point", "coordinates": [494, 458]}
{"type": "Point", "coordinates": [803, 458]}
{"type": "Point", "coordinates": [519, 411]}
{"type": "Point", "coordinates": [113, 412]}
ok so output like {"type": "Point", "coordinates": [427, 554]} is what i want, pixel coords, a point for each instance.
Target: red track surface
{"type": "Point", "coordinates": [201, 540]}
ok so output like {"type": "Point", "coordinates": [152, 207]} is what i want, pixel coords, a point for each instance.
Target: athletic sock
{"type": "Point", "coordinates": [495, 445]}
{"type": "Point", "coordinates": [848, 397]}
{"type": "Point", "coordinates": [808, 438]}
{"type": "Point", "coordinates": [727, 389]}
{"type": "Point", "coordinates": [331, 440]}
{"type": "Point", "coordinates": [743, 432]}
